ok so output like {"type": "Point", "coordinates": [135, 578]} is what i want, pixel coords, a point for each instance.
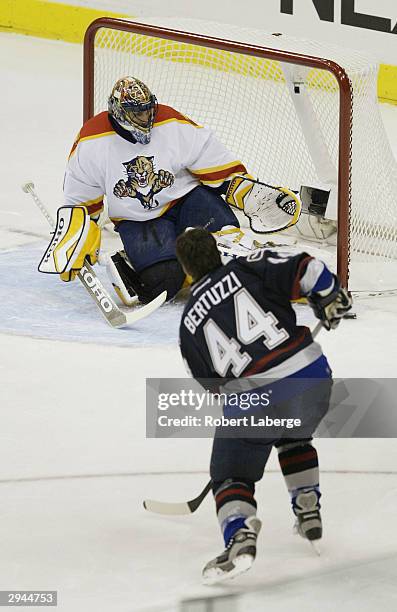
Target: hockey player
{"type": "Point", "coordinates": [160, 172]}
{"type": "Point", "coordinates": [238, 323]}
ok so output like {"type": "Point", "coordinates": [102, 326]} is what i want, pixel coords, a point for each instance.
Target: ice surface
{"type": "Point", "coordinates": [44, 307]}
{"type": "Point", "coordinates": [74, 461]}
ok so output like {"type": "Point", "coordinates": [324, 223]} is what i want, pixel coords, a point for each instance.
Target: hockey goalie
{"type": "Point", "coordinates": [160, 172]}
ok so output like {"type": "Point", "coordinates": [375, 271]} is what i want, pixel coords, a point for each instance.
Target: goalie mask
{"type": "Point", "coordinates": [133, 106]}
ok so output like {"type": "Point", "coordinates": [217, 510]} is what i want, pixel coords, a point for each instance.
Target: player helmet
{"type": "Point", "coordinates": [133, 106]}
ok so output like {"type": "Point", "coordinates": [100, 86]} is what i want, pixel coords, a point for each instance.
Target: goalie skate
{"type": "Point", "coordinates": [238, 556]}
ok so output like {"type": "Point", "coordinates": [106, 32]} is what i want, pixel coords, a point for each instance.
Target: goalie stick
{"type": "Point", "coordinates": [114, 316]}
{"type": "Point", "coordinates": [188, 507]}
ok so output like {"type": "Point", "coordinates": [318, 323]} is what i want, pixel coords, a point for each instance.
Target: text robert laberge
{"type": "Point", "coordinates": [222, 421]}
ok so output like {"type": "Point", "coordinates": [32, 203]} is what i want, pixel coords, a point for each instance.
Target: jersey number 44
{"type": "Point", "coordinates": [252, 323]}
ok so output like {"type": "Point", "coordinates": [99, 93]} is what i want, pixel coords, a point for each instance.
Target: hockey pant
{"type": "Point", "coordinates": [150, 242]}
{"type": "Point", "coordinates": [238, 463]}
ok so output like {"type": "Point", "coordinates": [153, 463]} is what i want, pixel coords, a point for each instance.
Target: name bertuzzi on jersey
{"type": "Point", "coordinates": [143, 183]}
{"type": "Point", "coordinates": [213, 296]}
{"type": "Point", "coordinates": [260, 288]}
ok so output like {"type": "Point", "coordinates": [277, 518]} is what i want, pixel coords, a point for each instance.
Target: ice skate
{"type": "Point", "coordinates": [308, 518]}
{"type": "Point", "coordinates": [237, 557]}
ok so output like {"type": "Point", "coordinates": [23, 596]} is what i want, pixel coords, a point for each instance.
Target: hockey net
{"type": "Point", "coordinates": [295, 112]}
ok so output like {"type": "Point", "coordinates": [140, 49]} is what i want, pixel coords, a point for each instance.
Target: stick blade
{"type": "Point", "coordinates": [178, 508]}
{"type": "Point", "coordinates": [144, 311]}
{"type": "Point", "coordinates": [170, 509]}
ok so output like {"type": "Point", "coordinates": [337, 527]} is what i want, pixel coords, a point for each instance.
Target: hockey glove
{"type": "Point", "coordinates": [75, 238]}
{"type": "Point", "coordinates": [269, 209]}
{"type": "Point", "coordinates": [89, 250]}
{"type": "Point", "coordinates": [331, 308]}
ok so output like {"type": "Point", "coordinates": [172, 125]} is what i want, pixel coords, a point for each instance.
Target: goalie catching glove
{"type": "Point", "coordinates": [330, 309]}
{"type": "Point", "coordinates": [75, 238]}
{"type": "Point", "coordinates": [268, 208]}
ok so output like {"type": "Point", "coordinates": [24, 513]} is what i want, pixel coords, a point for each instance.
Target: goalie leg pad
{"type": "Point", "coordinates": [146, 284]}
{"type": "Point", "coordinates": [232, 242]}
{"type": "Point", "coordinates": [163, 276]}
{"type": "Point", "coordinates": [75, 237]}
{"type": "Point", "coordinates": [123, 277]}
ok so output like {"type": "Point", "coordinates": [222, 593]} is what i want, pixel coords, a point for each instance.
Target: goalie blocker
{"type": "Point", "coordinates": [76, 237]}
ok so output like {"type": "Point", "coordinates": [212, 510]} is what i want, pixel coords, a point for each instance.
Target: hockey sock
{"type": "Point", "coordinates": [235, 502]}
{"type": "Point", "coordinates": [299, 464]}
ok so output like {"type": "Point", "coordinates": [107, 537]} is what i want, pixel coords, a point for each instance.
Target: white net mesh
{"type": "Point", "coordinates": [249, 103]}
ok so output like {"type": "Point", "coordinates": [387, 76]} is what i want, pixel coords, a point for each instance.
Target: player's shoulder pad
{"type": "Point", "coordinates": [166, 114]}
{"type": "Point", "coordinates": [274, 256]}
{"type": "Point", "coordinates": [262, 260]}
{"type": "Point", "coordinates": [95, 127]}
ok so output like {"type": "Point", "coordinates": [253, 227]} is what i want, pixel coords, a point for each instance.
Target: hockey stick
{"type": "Point", "coordinates": [177, 508]}
{"type": "Point", "coordinates": [188, 507]}
{"type": "Point", "coordinates": [109, 309]}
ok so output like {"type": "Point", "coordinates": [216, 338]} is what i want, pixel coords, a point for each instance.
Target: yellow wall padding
{"type": "Point", "coordinates": [65, 22]}
{"type": "Point", "coordinates": [387, 84]}
{"type": "Point", "coordinates": [48, 19]}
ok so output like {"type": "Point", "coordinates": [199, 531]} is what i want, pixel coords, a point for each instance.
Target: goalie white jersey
{"type": "Point", "coordinates": [142, 182]}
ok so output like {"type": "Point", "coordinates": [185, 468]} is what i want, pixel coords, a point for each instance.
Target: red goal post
{"type": "Point", "coordinates": [114, 51]}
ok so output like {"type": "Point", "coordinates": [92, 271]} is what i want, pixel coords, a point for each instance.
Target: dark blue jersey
{"type": "Point", "coordinates": [239, 320]}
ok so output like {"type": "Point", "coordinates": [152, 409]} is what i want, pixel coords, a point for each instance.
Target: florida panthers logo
{"type": "Point", "coordinates": [142, 181]}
